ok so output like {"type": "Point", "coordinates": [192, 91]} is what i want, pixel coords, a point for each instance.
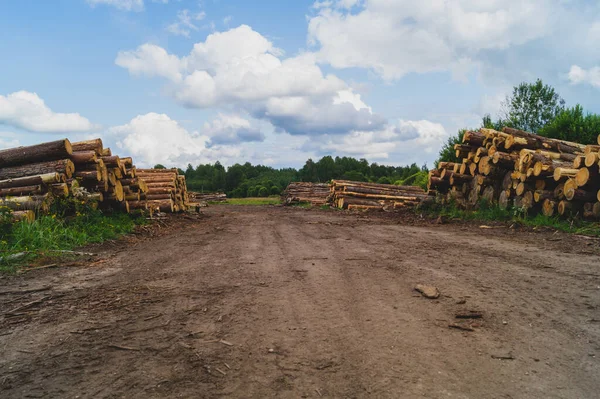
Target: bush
{"type": "Point", "coordinates": [252, 191]}
{"type": "Point", "coordinates": [384, 180]}
{"type": "Point", "coordinates": [275, 190]}
{"type": "Point", "coordinates": [263, 192]}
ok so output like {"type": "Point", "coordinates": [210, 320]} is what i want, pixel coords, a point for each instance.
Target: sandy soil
{"type": "Point", "coordinates": [285, 302]}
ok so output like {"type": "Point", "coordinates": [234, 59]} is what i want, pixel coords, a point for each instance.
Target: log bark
{"type": "Point", "coordinates": [47, 178]}
{"type": "Point", "coordinates": [63, 166]}
{"type": "Point", "coordinates": [89, 145]}
{"type": "Point", "coordinates": [80, 157]}
{"type": "Point", "coordinates": [166, 206]}
{"type": "Point", "coordinates": [88, 175]}
{"type": "Point", "coordinates": [52, 151]}
{"type": "Point", "coordinates": [21, 191]}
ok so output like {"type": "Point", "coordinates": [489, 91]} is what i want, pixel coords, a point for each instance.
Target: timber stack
{"type": "Point", "coordinates": [514, 168]}
{"type": "Point", "coordinates": [347, 194]}
{"type": "Point", "coordinates": [207, 197]}
{"type": "Point", "coordinates": [33, 177]}
{"type": "Point", "coordinates": [315, 194]}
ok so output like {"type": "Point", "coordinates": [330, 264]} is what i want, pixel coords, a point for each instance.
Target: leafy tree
{"type": "Point", "coordinates": [275, 190]}
{"type": "Point", "coordinates": [354, 175]}
{"type": "Point", "coordinates": [531, 106]}
{"type": "Point", "coordinates": [488, 123]}
{"type": "Point", "coordinates": [159, 166]}
{"type": "Point", "coordinates": [384, 180]}
{"type": "Point", "coordinates": [252, 192]}
{"type": "Point", "coordinates": [447, 153]}
{"type": "Point", "coordinates": [263, 192]}
{"type": "Point", "coordinates": [573, 125]}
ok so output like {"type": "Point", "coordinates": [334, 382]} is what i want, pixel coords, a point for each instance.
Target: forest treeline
{"type": "Point", "coordinates": [249, 180]}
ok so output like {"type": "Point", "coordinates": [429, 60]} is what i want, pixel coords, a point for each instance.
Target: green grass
{"type": "Point", "coordinates": [488, 213]}
{"type": "Point", "coordinates": [51, 233]}
{"type": "Point", "coordinates": [252, 201]}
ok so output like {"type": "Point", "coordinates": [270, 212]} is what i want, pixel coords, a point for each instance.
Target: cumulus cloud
{"type": "Point", "coordinates": [185, 23]}
{"type": "Point", "coordinates": [156, 138]}
{"type": "Point", "coordinates": [397, 37]}
{"type": "Point", "coordinates": [231, 129]}
{"type": "Point", "coordinates": [409, 141]}
{"type": "Point", "coordinates": [151, 60]}
{"type": "Point", "coordinates": [241, 68]}
{"type": "Point", "coordinates": [578, 75]}
{"type": "Point", "coordinates": [126, 5]}
{"type": "Point", "coordinates": [8, 140]}
{"type": "Point", "coordinates": [26, 110]}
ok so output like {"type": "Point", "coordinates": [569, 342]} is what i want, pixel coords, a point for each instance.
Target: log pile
{"type": "Point", "coordinates": [207, 197]}
{"type": "Point", "coordinates": [167, 190]}
{"type": "Point", "coordinates": [359, 195]}
{"type": "Point", "coordinates": [513, 168]}
{"type": "Point", "coordinates": [315, 194]}
{"type": "Point", "coordinates": [32, 177]}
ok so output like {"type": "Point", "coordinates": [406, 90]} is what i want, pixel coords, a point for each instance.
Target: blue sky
{"type": "Point", "coordinates": [277, 82]}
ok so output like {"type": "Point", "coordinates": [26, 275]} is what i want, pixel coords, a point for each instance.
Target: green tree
{"type": "Point", "coordinates": [447, 153]}
{"type": "Point", "coordinates": [251, 192]}
{"type": "Point", "coordinates": [275, 190]}
{"type": "Point", "coordinates": [263, 192]}
{"type": "Point", "coordinates": [573, 125]}
{"type": "Point", "coordinates": [159, 166]}
{"type": "Point", "coordinates": [531, 106]}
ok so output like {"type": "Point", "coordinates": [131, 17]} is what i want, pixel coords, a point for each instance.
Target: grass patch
{"type": "Point", "coordinates": [252, 201]}
{"type": "Point", "coordinates": [487, 213]}
{"type": "Point", "coordinates": [51, 233]}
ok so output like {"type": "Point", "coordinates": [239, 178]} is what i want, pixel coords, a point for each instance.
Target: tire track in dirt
{"type": "Point", "coordinates": [331, 294]}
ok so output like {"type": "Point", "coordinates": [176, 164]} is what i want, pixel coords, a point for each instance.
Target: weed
{"type": "Point", "coordinates": [51, 233]}
{"type": "Point", "coordinates": [486, 212]}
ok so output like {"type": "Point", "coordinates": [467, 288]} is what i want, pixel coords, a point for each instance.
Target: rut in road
{"type": "Point", "coordinates": [276, 302]}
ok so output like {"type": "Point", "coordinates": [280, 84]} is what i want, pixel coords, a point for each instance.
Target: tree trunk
{"type": "Point", "coordinates": [64, 166]}
{"type": "Point", "coordinates": [89, 145]}
{"type": "Point", "coordinates": [47, 178]}
{"type": "Point", "coordinates": [51, 151]}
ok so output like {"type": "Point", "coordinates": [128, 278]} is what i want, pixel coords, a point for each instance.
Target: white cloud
{"type": "Point", "coordinates": [8, 140]}
{"type": "Point", "coordinates": [578, 75]}
{"type": "Point", "coordinates": [185, 25]}
{"type": "Point", "coordinates": [151, 60]}
{"type": "Point", "coordinates": [156, 138]}
{"type": "Point", "coordinates": [241, 68]}
{"type": "Point", "coordinates": [397, 37]}
{"type": "Point", "coordinates": [126, 5]}
{"type": "Point", "coordinates": [231, 129]}
{"type": "Point", "coordinates": [408, 141]}
{"type": "Point", "coordinates": [28, 111]}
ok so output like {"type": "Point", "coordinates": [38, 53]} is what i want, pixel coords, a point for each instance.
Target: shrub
{"type": "Point", "coordinates": [263, 192]}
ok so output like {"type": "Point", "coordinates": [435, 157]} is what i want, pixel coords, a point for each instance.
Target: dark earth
{"type": "Point", "coordinates": [258, 302]}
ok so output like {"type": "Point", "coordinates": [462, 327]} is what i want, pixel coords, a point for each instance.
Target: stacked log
{"type": "Point", "coordinates": [32, 177]}
{"type": "Point", "coordinates": [347, 194]}
{"type": "Point", "coordinates": [207, 197]}
{"type": "Point", "coordinates": [315, 194]}
{"type": "Point", "coordinates": [513, 168]}
{"type": "Point", "coordinates": [166, 189]}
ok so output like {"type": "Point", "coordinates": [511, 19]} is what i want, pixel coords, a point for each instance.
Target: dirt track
{"type": "Point", "coordinates": [274, 302]}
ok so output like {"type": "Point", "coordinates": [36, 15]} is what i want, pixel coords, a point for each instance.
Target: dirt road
{"type": "Point", "coordinates": [253, 302]}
